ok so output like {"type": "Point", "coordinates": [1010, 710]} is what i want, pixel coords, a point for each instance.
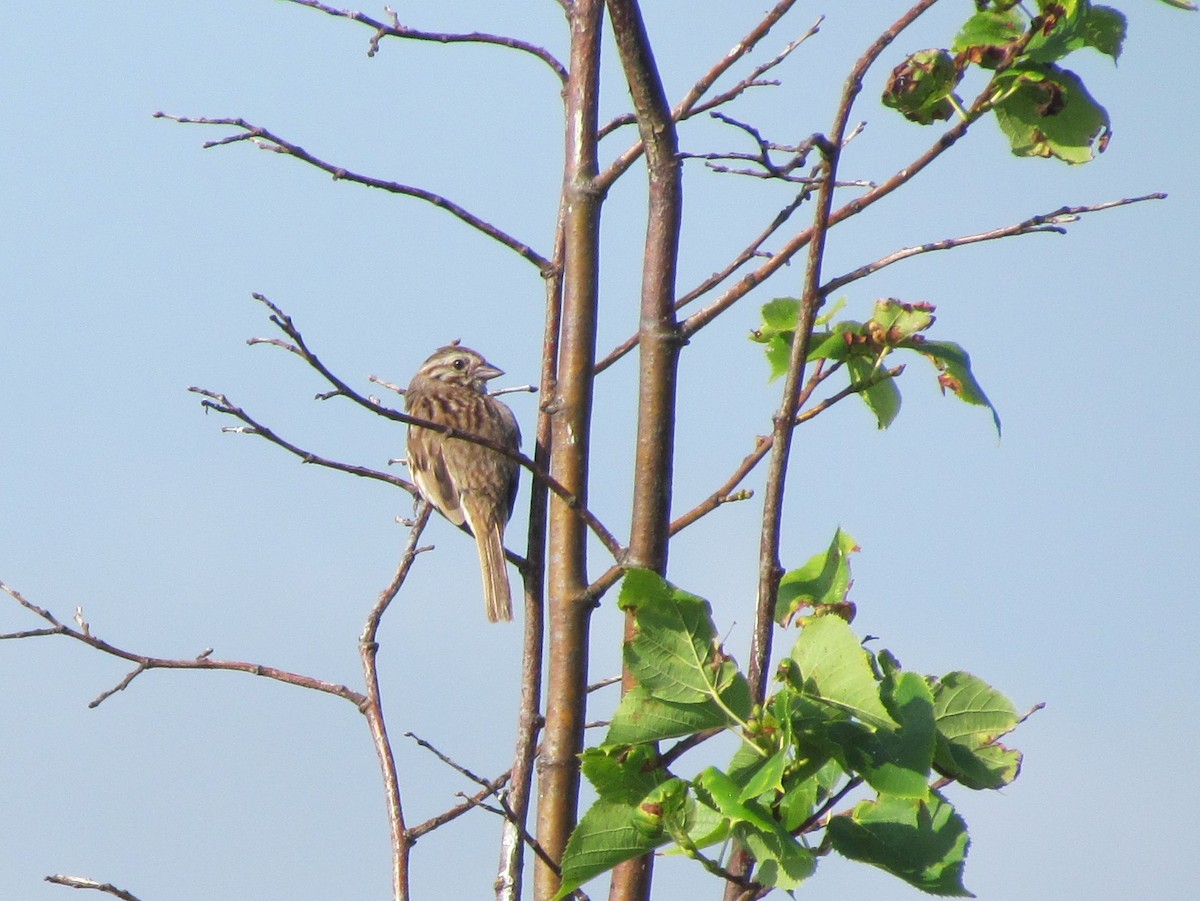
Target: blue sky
{"type": "Point", "coordinates": [1058, 562]}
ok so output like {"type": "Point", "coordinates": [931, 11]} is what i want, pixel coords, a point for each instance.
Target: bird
{"type": "Point", "coordinates": [466, 482]}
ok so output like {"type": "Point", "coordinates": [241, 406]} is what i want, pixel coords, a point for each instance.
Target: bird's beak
{"type": "Point", "coordinates": [487, 372]}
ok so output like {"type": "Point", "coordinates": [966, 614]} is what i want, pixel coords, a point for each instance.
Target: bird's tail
{"type": "Point", "coordinates": [489, 539]}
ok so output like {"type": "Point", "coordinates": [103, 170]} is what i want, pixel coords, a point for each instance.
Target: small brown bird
{"type": "Point", "coordinates": [466, 482]}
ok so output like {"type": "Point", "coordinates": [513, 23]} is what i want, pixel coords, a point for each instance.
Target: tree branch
{"type": "Point", "coordinates": [85, 883]}
{"type": "Point", "coordinates": [658, 341]}
{"type": "Point", "coordinates": [146, 662]}
{"type": "Point", "coordinates": [396, 30]}
{"type": "Point", "coordinates": [770, 567]}
{"type": "Point", "coordinates": [372, 708]}
{"type": "Point", "coordinates": [687, 106]}
{"type": "Point", "coordinates": [265, 140]}
{"type": "Point", "coordinates": [1054, 222]}
{"type": "Point", "coordinates": [570, 409]}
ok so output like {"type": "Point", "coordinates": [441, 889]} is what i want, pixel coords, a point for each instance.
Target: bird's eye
{"type": "Point", "coordinates": [459, 363]}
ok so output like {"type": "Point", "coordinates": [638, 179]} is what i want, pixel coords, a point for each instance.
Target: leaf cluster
{"type": "Point", "coordinates": [863, 348]}
{"type": "Point", "coordinates": [1043, 108]}
{"type": "Point", "coordinates": [840, 718]}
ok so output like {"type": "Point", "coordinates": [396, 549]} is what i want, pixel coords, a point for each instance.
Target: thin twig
{"type": "Point", "coordinates": [219, 403]}
{"type": "Point", "coordinates": [1054, 222]}
{"type": "Point", "coordinates": [85, 883]}
{"type": "Point", "coordinates": [265, 140]}
{"type": "Point", "coordinates": [145, 662]}
{"type": "Point", "coordinates": [752, 250]}
{"type": "Point", "coordinates": [372, 707]}
{"type": "Point", "coordinates": [468, 804]}
{"type": "Point", "coordinates": [688, 106]}
{"type": "Point", "coordinates": [400, 31]}
{"type": "Point", "coordinates": [447, 759]}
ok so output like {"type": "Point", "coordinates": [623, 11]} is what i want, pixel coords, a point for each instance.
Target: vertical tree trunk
{"type": "Point", "coordinates": [658, 340]}
{"type": "Point", "coordinates": [570, 410]}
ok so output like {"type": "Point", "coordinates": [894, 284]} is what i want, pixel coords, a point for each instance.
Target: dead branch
{"type": "Point", "coordinates": [396, 30]}
{"type": "Point", "coordinates": [85, 883]}
{"type": "Point", "coordinates": [146, 662]}
{"type": "Point", "coordinates": [265, 140]}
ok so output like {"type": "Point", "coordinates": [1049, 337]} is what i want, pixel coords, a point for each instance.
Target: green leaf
{"type": "Point", "coordinates": [768, 777]}
{"type": "Point", "coordinates": [921, 87]}
{"type": "Point", "coordinates": [641, 717]}
{"type": "Point", "coordinates": [922, 842]}
{"type": "Point", "coordinates": [780, 317]}
{"type": "Point", "coordinates": [882, 398]}
{"type": "Point", "coordinates": [726, 796]}
{"type": "Point", "coordinates": [674, 653]}
{"type": "Point", "coordinates": [622, 773]}
{"type": "Point", "coordinates": [988, 38]}
{"type": "Point", "coordinates": [778, 330]}
{"type": "Point", "coordinates": [782, 861]}
{"type": "Point", "coordinates": [954, 364]}
{"type": "Point", "coordinates": [662, 810]}
{"type": "Point", "coordinates": [1105, 30]}
{"type": "Point", "coordinates": [1046, 111]}
{"type": "Point", "coordinates": [835, 669]}
{"type": "Point", "coordinates": [896, 761]}
{"type": "Point", "coordinates": [893, 321]}
{"type": "Point", "coordinates": [1182, 4]}
{"type": "Point", "coordinates": [832, 345]}
{"type": "Point", "coordinates": [604, 837]}
{"type": "Point", "coordinates": [823, 580]}
{"type": "Point", "coordinates": [971, 716]}
{"type": "Point", "coordinates": [1063, 29]}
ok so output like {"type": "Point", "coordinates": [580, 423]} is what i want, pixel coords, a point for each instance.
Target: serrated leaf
{"type": "Point", "coordinates": [824, 579]}
{"type": "Point", "coordinates": [641, 717]}
{"type": "Point", "coordinates": [622, 773]}
{"type": "Point", "coordinates": [1063, 29]}
{"type": "Point", "coordinates": [779, 317]}
{"type": "Point", "coordinates": [662, 810]}
{"type": "Point", "coordinates": [922, 842]}
{"type": "Point", "coordinates": [1046, 111]}
{"type": "Point", "coordinates": [835, 670]}
{"type": "Point", "coordinates": [604, 837]}
{"type": "Point", "coordinates": [954, 364]}
{"type": "Point", "coordinates": [971, 716]}
{"type": "Point", "coordinates": [726, 797]}
{"type": "Point", "coordinates": [782, 862]}
{"type": "Point", "coordinates": [893, 321]}
{"type": "Point", "coordinates": [896, 761]}
{"type": "Point", "coordinates": [674, 653]}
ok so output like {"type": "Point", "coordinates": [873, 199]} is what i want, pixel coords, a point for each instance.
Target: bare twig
{"type": "Point", "coordinates": [219, 403]}
{"type": "Point", "coordinates": [396, 30]}
{"type": "Point", "coordinates": [448, 760]}
{"type": "Point", "coordinates": [145, 662]}
{"type": "Point", "coordinates": [372, 707]}
{"type": "Point", "coordinates": [688, 106]}
{"type": "Point", "coordinates": [468, 804]}
{"type": "Point", "coordinates": [753, 249]}
{"type": "Point", "coordinates": [85, 883]}
{"type": "Point", "coordinates": [265, 140]}
{"type": "Point", "coordinates": [1054, 222]}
